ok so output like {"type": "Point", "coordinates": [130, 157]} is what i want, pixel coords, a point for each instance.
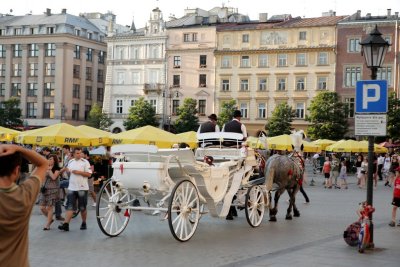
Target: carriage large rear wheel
{"type": "Point", "coordinates": [112, 211]}
{"type": "Point", "coordinates": [254, 205]}
{"type": "Point", "coordinates": [183, 210]}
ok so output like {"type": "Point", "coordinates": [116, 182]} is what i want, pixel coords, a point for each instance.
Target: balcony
{"type": "Point", "coordinates": [153, 88]}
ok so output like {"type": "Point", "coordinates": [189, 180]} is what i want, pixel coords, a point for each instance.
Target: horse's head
{"type": "Point", "coordinates": [297, 140]}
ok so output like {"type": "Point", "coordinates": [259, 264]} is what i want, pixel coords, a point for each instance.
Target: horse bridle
{"type": "Point", "coordinates": [299, 162]}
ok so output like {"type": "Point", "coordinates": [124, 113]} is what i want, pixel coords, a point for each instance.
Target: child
{"type": "Point", "coordinates": [343, 175]}
{"type": "Point", "coordinates": [396, 197]}
{"type": "Point", "coordinates": [326, 169]}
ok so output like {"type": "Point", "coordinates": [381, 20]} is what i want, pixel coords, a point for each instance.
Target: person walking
{"type": "Point", "coordinates": [381, 161]}
{"type": "Point", "coordinates": [335, 167]}
{"type": "Point", "coordinates": [343, 175]}
{"type": "Point", "coordinates": [326, 169]}
{"type": "Point", "coordinates": [396, 197]}
{"type": "Point", "coordinates": [79, 169]}
{"type": "Point", "coordinates": [394, 164]}
{"type": "Point", "coordinates": [364, 173]}
{"type": "Point", "coordinates": [50, 191]}
{"type": "Point", "coordinates": [386, 167]}
{"type": "Point", "coordinates": [16, 202]}
{"type": "Point", "coordinates": [359, 161]}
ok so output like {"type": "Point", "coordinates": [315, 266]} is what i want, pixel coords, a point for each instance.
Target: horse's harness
{"type": "Point", "coordinates": [299, 162]}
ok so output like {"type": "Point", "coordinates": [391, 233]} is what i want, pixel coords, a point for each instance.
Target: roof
{"type": "Point", "coordinates": [312, 22]}
{"type": "Point", "coordinates": [253, 25]}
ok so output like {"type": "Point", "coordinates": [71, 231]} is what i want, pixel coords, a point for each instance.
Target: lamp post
{"type": "Point", "coordinates": [374, 49]}
{"type": "Point", "coordinates": [170, 94]}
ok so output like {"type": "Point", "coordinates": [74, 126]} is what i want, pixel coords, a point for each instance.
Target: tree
{"type": "Point", "coordinates": [227, 110]}
{"type": "Point", "coordinates": [328, 117]}
{"type": "Point", "coordinates": [141, 114]}
{"type": "Point", "coordinates": [98, 119]}
{"type": "Point", "coordinates": [393, 117]}
{"type": "Point", "coordinates": [10, 114]}
{"type": "Point", "coordinates": [187, 119]}
{"type": "Point", "coordinates": [281, 120]}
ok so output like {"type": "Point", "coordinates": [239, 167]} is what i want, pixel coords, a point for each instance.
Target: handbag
{"type": "Point", "coordinates": [43, 189]}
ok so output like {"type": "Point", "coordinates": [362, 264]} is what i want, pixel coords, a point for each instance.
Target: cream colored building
{"type": "Point", "coordinates": [281, 59]}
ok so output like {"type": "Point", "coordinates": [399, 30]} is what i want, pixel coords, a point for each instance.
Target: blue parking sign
{"type": "Point", "coordinates": [372, 96]}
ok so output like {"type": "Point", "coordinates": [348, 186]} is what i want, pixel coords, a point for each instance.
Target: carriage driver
{"type": "Point", "coordinates": [210, 125]}
{"type": "Point", "coordinates": [235, 126]}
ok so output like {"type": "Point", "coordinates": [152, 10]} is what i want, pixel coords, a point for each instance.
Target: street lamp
{"type": "Point", "coordinates": [374, 49]}
{"type": "Point", "coordinates": [170, 94]}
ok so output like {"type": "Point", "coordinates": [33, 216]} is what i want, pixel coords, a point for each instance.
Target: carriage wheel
{"type": "Point", "coordinates": [111, 210]}
{"type": "Point", "coordinates": [183, 210]}
{"type": "Point", "coordinates": [254, 205]}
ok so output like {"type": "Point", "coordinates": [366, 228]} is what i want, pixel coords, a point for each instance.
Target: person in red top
{"type": "Point", "coordinates": [396, 197]}
{"type": "Point", "coordinates": [326, 169]}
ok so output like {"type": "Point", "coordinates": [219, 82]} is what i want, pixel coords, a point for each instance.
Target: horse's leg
{"type": "Point", "coordinates": [296, 212]}
{"type": "Point", "coordinates": [274, 210]}
{"type": "Point", "coordinates": [291, 203]}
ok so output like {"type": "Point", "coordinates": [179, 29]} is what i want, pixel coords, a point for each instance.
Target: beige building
{"type": "Point", "coordinates": [54, 63]}
{"type": "Point", "coordinates": [281, 59]}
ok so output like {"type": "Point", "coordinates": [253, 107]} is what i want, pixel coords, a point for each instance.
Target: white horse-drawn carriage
{"type": "Point", "coordinates": [178, 186]}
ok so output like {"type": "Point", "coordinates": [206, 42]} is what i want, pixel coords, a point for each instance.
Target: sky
{"type": "Point", "coordinates": [126, 10]}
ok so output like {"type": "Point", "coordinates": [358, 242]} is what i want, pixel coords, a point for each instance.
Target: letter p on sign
{"type": "Point", "coordinates": [371, 93]}
{"type": "Point", "coordinates": [371, 96]}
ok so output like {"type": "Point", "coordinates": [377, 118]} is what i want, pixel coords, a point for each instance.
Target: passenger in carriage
{"type": "Point", "coordinates": [235, 126]}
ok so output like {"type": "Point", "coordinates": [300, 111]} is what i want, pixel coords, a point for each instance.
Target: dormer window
{"type": "Point", "coordinates": [51, 30]}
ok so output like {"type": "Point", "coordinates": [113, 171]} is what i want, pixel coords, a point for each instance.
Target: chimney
{"type": "Point", "coordinates": [389, 11]}
{"type": "Point", "coordinates": [48, 12]}
{"type": "Point", "coordinates": [263, 17]}
{"type": "Point", "coordinates": [64, 11]}
{"type": "Point", "coordinates": [368, 16]}
{"type": "Point", "coordinates": [396, 14]}
{"type": "Point", "coordinates": [358, 14]}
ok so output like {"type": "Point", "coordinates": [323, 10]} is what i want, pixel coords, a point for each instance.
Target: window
{"type": "Point", "coordinates": [33, 69]}
{"type": "Point", "coordinates": [77, 32]}
{"type": "Point", "coordinates": [244, 84]}
{"type": "Point", "coordinates": [351, 76]}
{"type": "Point", "coordinates": [263, 61]}
{"type": "Point", "coordinates": [120, 77]}
{"type": "Point", "coordinates": [77, 52]}
{"type": "Point", "coordinates": [133, 102]}
{"type": "Point", "coordinates": [323, 58]}
{"type": "Point", "coordinates": [50, 30]}
{"type": "Point", "coordinates": [100, 75]}
{"type": "Point", "coordinates": [202, 107]}
{"type": "Point", "coordinates": [100, 94]}
{"type": "Point", "coordinates": [301, 59]}
{"type": "Point", "coordinates": [135, 52]}
{"type": "Point", "coordinates": [262, 111]}
{"type": "Point", "coordinates": [322, 83]}
{"type": "Point", "coordinates": [50, 50]}
{"type": "Point", "coordinates": [89, 35]}
{"type": "Point", "coordinates": [282, 60]}
{"type": "Point", "coordinates": [88, 93]}
{"type": "Point", "coordinates": [154, 51]}
{"type": "Point", "coordinates": [89, 54]}
{"type": "Point", "coordinates": [225, 85]}
{"type": "Point", "coordinates": [119, 106]}
{"type": "Point", "coordinates": [349, 102]}
{"type": "Point", "coordinates": [245, 62]}
{"type": "Point", "coordinates": [32, 89]}
{"type": "Point", "coordinates": [203, 61]}
{"type": "Point", "coordinates": [353, 45]}
{"type": "Point", "coordinates": [75, 112]}
{"type": "Point", "coordinates": [102, 56]}
{"type": "Point", "coordinates": [153, 103]}
{"type": "Point", "coordinates": [15, 89]}
{"type": "Point", "coordinates": [33, 50]}
{"type": "Point", "coordinates": [281, 84]}
{"type": "Point", "coordinates": [17, 70]}
{"type": "Point", "coordinates": [50, 69]}
{"type": "Point", "coordinates": [87, 111]}
{"type": "Point", "coordinates": [135, 78]}
{"type": "Point", "coordinates": [76, 91]}
{"type": "Point", "coordinates": [176, 81]}
{"type": "Point", "coordinates": [2, 70]}
{"type": "Point", "coordinates": [302, 36]}
{"type": "Point", "coordinates": [385, 73]}
{"type": "Point", "coordinates": [245, 38]}
{"type": "Point", "coordinates": [189, 37]}
{"type": "Point", "coordinates": [48, 110]}
{"type": "Point", "coordinates": [17, 50]}
{"type": "Point", "coordinates": [2, 89]}
{"type": "Point", "coordinates": [175, 106]}
{"type": "Point", "coordinates": [18, 31]}
{"type": "Point", "coordinates": [2, 32]}
{"type": "Point", "coordinates": [300, 83]}
{"type": "Point", "coordinates": [88, 73]}
{"type": "Point", "coordinates": [300, 110]}
{"type": "Point", "coordinates": [31, 110]}
{"type": "Point", "coordinates": [48, 89]}
{"type": "Point", "coordinates": [2, 51]}
{"type": "Point", "coordinates": [177, 62]}
{"type": "Point", "coordinates": [262, 84]}
{"type": "Point", "coordinates": [389, 40]}
{"type": "Point", "coordinates": [202, 80]}
{"type": "Point", "coordinates": [76, 71]}
{"type": "Point", "coordinates": [226, 62]}
{"type": "Point", "coordinates": [244, 110]}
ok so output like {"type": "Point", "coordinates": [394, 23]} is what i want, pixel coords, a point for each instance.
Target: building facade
{"type": "Point", "coordinates": [55, 65]}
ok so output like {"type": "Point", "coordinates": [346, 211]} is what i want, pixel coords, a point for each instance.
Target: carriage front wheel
{"type": "Point", "coordinates": [112, 211]}
{"type": "Point", "coordinates": [183, 210]}
{"type": "Point", "coordinates": [254, 205]}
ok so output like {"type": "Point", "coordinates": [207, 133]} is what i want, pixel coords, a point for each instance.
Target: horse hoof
{"type": "Point", "coordinates": [288, 217]}
{"type": "Point", "coordinates": [296, 214]}
{"type": "Point", "coordinates": [272, 219]}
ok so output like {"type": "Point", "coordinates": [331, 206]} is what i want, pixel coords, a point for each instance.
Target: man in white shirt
{"type": "Point", "coordinates": [381, 161]}
{"type": "Point", "coordinates": [79, 169]}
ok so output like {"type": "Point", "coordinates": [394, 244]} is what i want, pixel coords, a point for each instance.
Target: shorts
{"type": "Point", "coordinates": [396, 201]}
{"type": "Point", "coordinates": [327, 175]}
{"type": "Point", "coordinates": [90, 183]}
{"type": "Point", "coordinates": [73, 197]}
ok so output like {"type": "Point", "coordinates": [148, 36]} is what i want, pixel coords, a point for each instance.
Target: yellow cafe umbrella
{"type": "Point", "coordinates": [354, 146]}
{"type": "Point", "coordinates": [311, 147]}
{"type": "Point", "coordinates": [323, 143]}
{"type": "Point", "coordinates": [284, 142]}
{"type": "Point", "coordinates": [102, 136]}
{"type": "Point", "coordinates": [255, 142]}
{"type": "Point", "coordinates": [377, 148]}
{"type": "Point", "coordinates": [189, 138]}
{"type": "Point", "coordinates": [7, 134]}
{"type": "Point", "coordinates": [146, 135]}
{"type": "Point", "coordinates": [57, 135]}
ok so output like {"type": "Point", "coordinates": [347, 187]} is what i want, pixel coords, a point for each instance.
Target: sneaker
{"type": "Point", "coordinates": [392, 224]}
{"type": "Point", "coordinates": [64, 227]}
{"type": "Point", "coordinates": [94, 204]}
{"type": "Point", "coordinates": [83, 226]}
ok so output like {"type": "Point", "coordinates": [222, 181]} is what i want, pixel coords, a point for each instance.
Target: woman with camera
{"type": "Point", "coordinates": [50, 190]}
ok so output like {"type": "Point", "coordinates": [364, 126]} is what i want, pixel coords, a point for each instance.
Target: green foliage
{"type": "Point", "coordinates": [227, 110]}
{"type": "Point", "coordinates": [141, 114]}
{"type": "Point", "coordinates": [280, 121]}
{"type": "Point", "coordinates": [187, 119]}
{"type": "Point", "coordinates": [98, 119]}
{"type": "Point", "coordinates": [393, 117]}
{"type": "Point", "coordinates": [328, 117]}
{"type": "Point", "coordinates": [10, 114]}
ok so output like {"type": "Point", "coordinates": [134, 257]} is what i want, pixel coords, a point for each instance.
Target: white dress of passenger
{"type": "Point", "coordinates": [78, 182]}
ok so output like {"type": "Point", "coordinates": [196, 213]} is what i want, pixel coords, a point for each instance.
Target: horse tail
{"type": "Point", "coordinates": [269, 173]}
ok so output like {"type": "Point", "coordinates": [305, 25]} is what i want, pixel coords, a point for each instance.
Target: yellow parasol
{"type": "Point", "coordinates": [311, 147]}
{"type": "Point", "coordinates": [284, 142]}
{"type": "Point", "coordinates": [146, 135]}
{"type": "Point", "coordinates": [189, 138]}
{"type": "Point", "coordinates": [323, 143]}
{"type": "Point", "coordinates": [353, 146]}
{"type": "Point", "coordinates": [102, 136]}
{"type": "Point", "coordinates": [255, 142]}
{"type": "Point", "coordinates": [7, 134]}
